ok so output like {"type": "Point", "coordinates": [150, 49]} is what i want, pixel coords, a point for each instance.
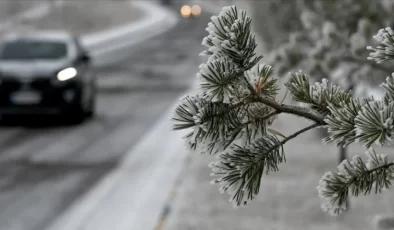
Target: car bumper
{"type": "Point", "coordinates": [48, 98]}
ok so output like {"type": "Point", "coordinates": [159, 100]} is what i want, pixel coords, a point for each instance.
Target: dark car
{"type": "Point", "coordinates": [46, 73]}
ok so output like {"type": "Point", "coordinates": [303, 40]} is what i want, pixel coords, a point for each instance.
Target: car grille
{"type": "Point", "coordinates": [12, 84]}
{"type": "Point", "coordinates": [41, 84]}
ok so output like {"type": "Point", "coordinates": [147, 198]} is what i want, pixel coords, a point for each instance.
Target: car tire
{"type": "Point", "coordinates": [77, 114]}
{"type": "Point", "coordinates": [92, 107]}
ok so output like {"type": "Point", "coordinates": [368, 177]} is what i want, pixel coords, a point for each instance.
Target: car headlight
{"type": "Point", "coordinates": [196, 10]}
{"type": "Point", "coordinates": [186, 11]}
{"type": "Point", "coordinates": [67, 74]}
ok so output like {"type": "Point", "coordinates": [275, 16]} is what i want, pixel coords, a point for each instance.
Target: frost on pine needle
{"type": "Point", "coordinates": [325, 92]}
{"type": "Point", "coordinates": [230, 36]}
{"type": "Point", "coordinates": [260, 77]}
{"type": "Point", "coordinates": [384, 51]}
{"type": "Point", "coordinates": [185, 112]}
{"type": "Point", "coordinates": [341, 122]}
{"type": "Point", "coordinates": [239, 170]}
{"type": "Point", "coordinates": [374, 123]}
{"type": "Point", "coordinates": [218, 79]}
{"type": "Point", "coordinates": [317, 96]}
{"type": "Point", "coordinates": [354, 178]}
{"type": "Point", "coordinates": [389, 88]}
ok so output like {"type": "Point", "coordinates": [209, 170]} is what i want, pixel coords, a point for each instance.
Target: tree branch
{"type": "Point", "coordinates": [299, 132]}
{"type": "Point", "coordinates": [282, 108]}
{"type": "Point", "coordinates": [270, 115]}
{"type": "Point", "coordinates": [372, 170]}
{"type": "Point", "coordinates": [296, 110]}
{"type": "Point", "coordinates": [295, 135]}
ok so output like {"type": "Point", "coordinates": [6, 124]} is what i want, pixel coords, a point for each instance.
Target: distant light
{"type": "Point", "coordinates": [186, 11]}
{"type": "Point", "coordinates": [196, 10]}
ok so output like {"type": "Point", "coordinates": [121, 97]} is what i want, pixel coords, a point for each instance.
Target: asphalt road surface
{"type": "Point", "coordinates": [45, 166]}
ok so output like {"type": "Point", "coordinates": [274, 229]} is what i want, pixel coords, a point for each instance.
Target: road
{"type": "Point", "coordinates": [46, 166]}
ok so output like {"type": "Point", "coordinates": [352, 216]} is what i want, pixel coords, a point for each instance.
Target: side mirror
{"type": "Point", "coordinates": [85, 58]}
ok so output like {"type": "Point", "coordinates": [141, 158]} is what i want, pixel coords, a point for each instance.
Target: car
{"type": "Point", "coordinates": [45, 73]}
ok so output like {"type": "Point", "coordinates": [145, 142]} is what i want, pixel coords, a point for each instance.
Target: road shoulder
{"type": "Point", "coordinates": [128, 197]}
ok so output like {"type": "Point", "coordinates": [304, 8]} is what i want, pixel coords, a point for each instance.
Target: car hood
{"type": "Point", "coordinates": [31, 68]}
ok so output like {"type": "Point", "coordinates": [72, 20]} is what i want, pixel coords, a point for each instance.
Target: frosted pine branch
{"type": "Point", "coordinates": [317, 96]}
{"type": "Point", "coordinates": [237, 103]}
{"type": "Point", "coordinates": [354, 178]}
{"type": "Point", "coordinates": [230, 36]}
{"type": "Point", "coordinates": [384, 51]}
{"type": "Point", "coordinates": [374, 123]}
{"type": "Point", "coordinates": [341, 122]}
{"type": "Point", "coordinates": [389, 88]}
{"type": "Point", "coordinates": [240, 169]}
{"type": "Point", "coordinates": [218, 78]}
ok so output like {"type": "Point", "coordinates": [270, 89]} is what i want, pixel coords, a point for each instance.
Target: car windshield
{"type": "Point", "coordinates": [33, 50]}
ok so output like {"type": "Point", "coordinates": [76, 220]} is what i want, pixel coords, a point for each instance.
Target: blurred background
{"type": "Point", "coordinates": [87, 89]}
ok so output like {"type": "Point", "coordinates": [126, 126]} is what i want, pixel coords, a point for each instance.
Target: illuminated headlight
{"type": "Point", "coordinates": [196, 10]}
{"type": "Point", "coordinates": [186, 11]}
{"type": "Point", "coordinates": [67, 74]}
